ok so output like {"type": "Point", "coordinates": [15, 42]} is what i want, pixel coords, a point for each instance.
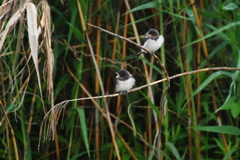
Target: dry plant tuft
{"type": "Point", "coordinates": [4, 11]}
{"type": "Point", "coordinates": [11, 23]}
{"type": "Point", "coordinates": [46, 36]}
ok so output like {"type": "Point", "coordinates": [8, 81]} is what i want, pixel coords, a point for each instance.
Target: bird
{"type": "Point", "coordinates": [151, 41]}
{"type": "Point", "coordinates": [124, 81]}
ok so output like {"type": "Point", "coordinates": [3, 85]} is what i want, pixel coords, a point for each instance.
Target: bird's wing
{"type": "Point", "coordinates": [139, 51]}
{"type": "Point", "coordinates": [145, 39]}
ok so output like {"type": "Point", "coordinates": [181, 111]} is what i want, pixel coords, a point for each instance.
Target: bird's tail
{"type": "Point", "coordinates": [138, 53]}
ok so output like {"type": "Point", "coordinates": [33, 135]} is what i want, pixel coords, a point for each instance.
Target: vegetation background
{"type": "Point", "coordinates": [49, 54]}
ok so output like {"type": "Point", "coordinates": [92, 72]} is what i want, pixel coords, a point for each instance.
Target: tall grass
{"type": "Point", "coordinates": [49, 54]}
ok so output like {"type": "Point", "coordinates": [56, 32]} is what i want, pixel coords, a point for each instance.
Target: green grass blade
{"type": "Point", "coordinates": [219, 129]}
{"type": "Point", "coordinates": [208, 81]}
{"type": "Point", "coordinates": [152, 4]}
{"type": "Point", "coordinates": [81, 115]}
{"type": "Point", "coordinates": [219, 30]}
{"type": "Point", "coordinates": [232, 89]}
{"type": "Point", "coordinates": [151, 65]}
{"type": "Point", "coordinates": [229, 154]}
{"type": "Point", "coordinates": [210, 78]}
{"type": "Point", "coordinates": [174, 150]}
{"type": "Point", "coordinates": [62, 83]}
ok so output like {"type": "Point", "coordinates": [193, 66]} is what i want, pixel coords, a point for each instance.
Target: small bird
{"type": "Point", "coordinates": [124, 81]}
{"type": "Point", "coordinates": [151, 41]}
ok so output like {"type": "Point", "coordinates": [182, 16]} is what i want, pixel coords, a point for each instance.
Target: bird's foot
{"type": "Point", "coordinates": [122, 92]}
{"type": "Point", "coordinates": [153, 54]}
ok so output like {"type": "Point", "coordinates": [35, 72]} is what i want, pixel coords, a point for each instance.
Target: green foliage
{"type": "Point", "coordinates": [84, 128]}
{"type": "Point", "coordinates": [220, 129]}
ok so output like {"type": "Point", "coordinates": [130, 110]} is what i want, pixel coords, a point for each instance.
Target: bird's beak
{"type": "Point", "coordinates": [148, 35]}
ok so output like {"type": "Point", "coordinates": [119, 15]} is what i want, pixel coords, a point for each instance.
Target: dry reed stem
{"type": "Point", "coordinates": [105, 102]}
{"type": "Point", "coordinates": [22, 90]}
{"type": "Point", "coordinates": [123, 65]}
{"type": "Point", "coordinates": [12, 132]}
{"type": "Point", "coordinates": [30, 122]}
{"type": "Point", "coordinates": [188, 88]}
{"type": "Point", "coordinates": [126, 145]}
{"type": "Point", "coordinates": [98, 44]}
{"type": "Point", "coordinates": [97, 50]}
{"type": "Point", "coordinates": [114, 50]}
{"type": "Point", "coordinates": [2, 83]}
{"type": "Point", "coordinates": [198, 84]}
{"type": "Point", "coordinates": [19, 38]}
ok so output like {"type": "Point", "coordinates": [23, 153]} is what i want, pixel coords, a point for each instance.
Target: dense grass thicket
{"type": "Point", "coordinates": [52, 62]}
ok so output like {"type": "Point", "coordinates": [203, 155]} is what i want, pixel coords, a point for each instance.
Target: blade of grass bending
{"type": "Point", "coordinates": [209, 79]}
{"type": "Point", "coordinates": [33, 37]}
{"type": "Point", "coordinates": [83, 129]}
{"type": "Point", "coordinates": [174, 150]}
{"type": "Point", "coordinates": [152, 4]}
{"type": "Point", "coordinates": [214, 32]}
{"type": "Point", "coordinates": [229, 154]}
{"type": "Point", "coordinates": [151, 64]}
{"type": "Point", "coordinates": [220, 129]}
{"type": "Point", "coordinates": [232, 86]}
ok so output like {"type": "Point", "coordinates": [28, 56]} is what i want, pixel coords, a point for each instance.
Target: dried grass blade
{"type": "Point", "coordinates": [49, 67]}
{"type": "Point", "coordinates": [4, 9]}
{"type": "Point", "coordinates": [33, 36]}
{"type": "Point", "coordinates": [11, 23]}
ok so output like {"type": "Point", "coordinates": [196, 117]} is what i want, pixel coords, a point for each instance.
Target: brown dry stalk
{"type": "Point", "coordinates": [12, 132]}
{"type": "Point", "coordinates": [188, 89]}
{"type": "Point", "coordinates": [198, 84]}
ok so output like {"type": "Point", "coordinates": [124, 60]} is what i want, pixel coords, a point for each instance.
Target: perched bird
{"type": "Point", "coordinates": [124, 81]}
{"type": "Point", "coordinates": [151, 41]}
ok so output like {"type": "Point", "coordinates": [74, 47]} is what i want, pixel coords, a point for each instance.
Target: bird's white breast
{"type": "Point", "coordinates": [124, 85]}
{"type": "Point", "coordinates": [153, 45]}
